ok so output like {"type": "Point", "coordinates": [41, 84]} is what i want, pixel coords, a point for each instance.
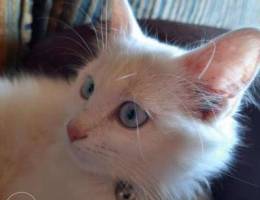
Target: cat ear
{"type": "Point", "coordinates": [226, 67]}
{"type": "Point", "coordinates": [122, 19]}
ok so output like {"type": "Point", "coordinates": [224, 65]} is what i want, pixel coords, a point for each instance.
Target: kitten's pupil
{"type": "Point", "coordinates": [88, 87]}
{"type": "Point", "coordinates": [91, 88]}
{"type": "Point", "coordinates": [131, 115]}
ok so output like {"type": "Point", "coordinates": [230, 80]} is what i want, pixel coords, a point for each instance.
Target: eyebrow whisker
{"type": "Point", "coordinates": [126, 76]}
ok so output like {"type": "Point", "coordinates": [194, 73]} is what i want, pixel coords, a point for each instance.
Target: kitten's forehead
{"type": "Point", "coordinates": [128, 56]}
{"type": "Point", "coordinates": [130, 70]}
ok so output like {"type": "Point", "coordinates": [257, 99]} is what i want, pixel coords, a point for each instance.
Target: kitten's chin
{"type": "Point", "coordinates": [87, 161]}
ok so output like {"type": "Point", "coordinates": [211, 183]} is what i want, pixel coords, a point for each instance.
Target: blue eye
{"type": "Point", "coordinates": [132, 115]}
{"type": "Point", "coordinates": [88, 87]}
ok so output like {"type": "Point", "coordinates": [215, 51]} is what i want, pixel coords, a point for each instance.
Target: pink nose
{"type": "Point", "coordinates": [75, 133]}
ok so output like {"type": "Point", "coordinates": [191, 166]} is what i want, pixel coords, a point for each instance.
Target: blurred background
{"type": "Point", "coordinates": [28, 21]}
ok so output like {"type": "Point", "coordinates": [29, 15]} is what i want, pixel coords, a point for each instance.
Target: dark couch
{"type": "Point", "coordinates": [56, 56]}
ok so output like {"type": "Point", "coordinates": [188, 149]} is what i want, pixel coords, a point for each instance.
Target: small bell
{"type": "Point", "coordinates": [125, 191]}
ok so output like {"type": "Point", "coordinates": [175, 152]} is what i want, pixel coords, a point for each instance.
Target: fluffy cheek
{"type": "Point", "coordinates": [204, 150]}
{"type": "Point", "coordinates": [115, 150]}
{"type": "Point", "coordinates": [189, 151]}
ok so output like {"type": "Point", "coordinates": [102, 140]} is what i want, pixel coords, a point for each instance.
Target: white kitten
{"type": "Point", "coordinates": [143, 113]}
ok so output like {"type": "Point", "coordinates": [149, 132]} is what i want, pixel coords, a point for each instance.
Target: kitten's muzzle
{"type": "Point", "coordinates": [75, 133]}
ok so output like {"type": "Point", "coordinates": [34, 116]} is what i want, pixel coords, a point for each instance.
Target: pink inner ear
{"type": "Point", "coordinates": [228, 64]}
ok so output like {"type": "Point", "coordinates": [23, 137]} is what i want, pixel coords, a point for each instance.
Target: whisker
{"type": "Point", "coordinates": [209, 62]}
{"type": "Point", "coordinates": [126, 76]}
{"type": "Point", "coordinates": [148, 184]}
{"type": "Point", "coordinates": [101, 31]}
{"type": "Point", "coordinates": [76, 53]}
{"type": "Point", "coordinates": [76, 42]}
{"type": "Point", "coordinates": [106, 13]}
{"type": "Point", "coordinates": [74, 31]}
{"type": "Point", "coordinates": [242, 180]}
{"type": "Point", "coordinates": [138, 134]}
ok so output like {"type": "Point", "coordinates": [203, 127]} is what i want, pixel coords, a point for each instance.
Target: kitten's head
{"type": "Point", "coordinates": [159, 116]}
